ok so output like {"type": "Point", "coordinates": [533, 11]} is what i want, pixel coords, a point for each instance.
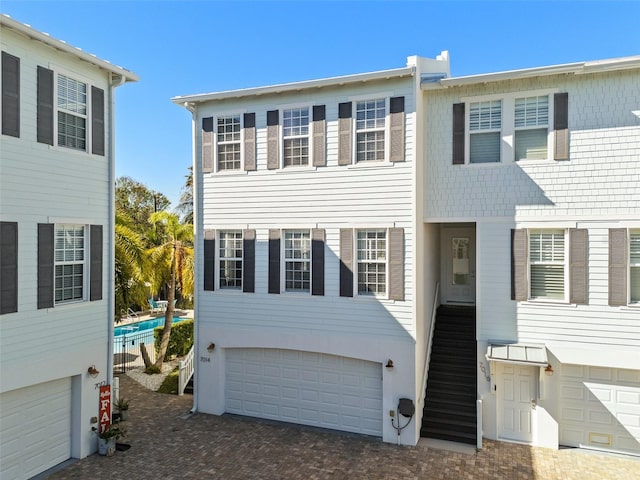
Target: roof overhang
{"type": "Point", "coordinates": [296, 86]}
{"type": "Point", "coordinates": [578, 68]}
{"type": "Point", "coordinates": [24, 29]}
{"type": "Point", "coordinates": [518, 353]}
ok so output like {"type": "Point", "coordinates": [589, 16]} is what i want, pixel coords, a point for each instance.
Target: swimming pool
{"type": "Point", "coordinates": [144, 326]}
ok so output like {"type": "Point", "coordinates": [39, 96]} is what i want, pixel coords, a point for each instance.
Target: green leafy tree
{"type": "Point", "coordinates": [137, 202]}
{"type": "Point", "coordinates": [185, 207]}
{"type": "Point", "coordinates": [172, 261]}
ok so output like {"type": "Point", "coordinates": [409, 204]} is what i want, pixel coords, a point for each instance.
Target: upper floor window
{"type": "Point", "coordinates": [228, 141]}
{"type": "Point", "coordinates": [69, 263]}
{"type": "Point", "coordinates": [634, 265]}
{"type": "Point", "coordinates": [231, 259]}
{"type": "Point", "coordinates": [297, 260]}
{"type": "Point", "coordinates": [295, 132]}
{"type": "Point", "coordinates": [547, 264]}
{"type": "Point", "coordinates": [370, 130]}
{"type": "Point", "coordinates": [372, 262]}
{"type": "Point", "coordinates": [72, 113]}
{"type": "Point", "coordinates": [485, 124]}
{"type": "Point", "coordinates": [531, 127]}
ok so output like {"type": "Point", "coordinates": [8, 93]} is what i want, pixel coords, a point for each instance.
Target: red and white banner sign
{"type": "Point", "coordinates": [105, 407]}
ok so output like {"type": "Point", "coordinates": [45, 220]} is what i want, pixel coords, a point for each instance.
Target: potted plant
{"type": "Point", "coordinates": [123, 408]}
{"type": "Point", "coordinates": [107, 439]}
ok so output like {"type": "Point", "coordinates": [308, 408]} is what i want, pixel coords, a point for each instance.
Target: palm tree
{"type": "Point", "coordinates": [130, 266]}
{"type": "Point", "coordinates": [173, 263]}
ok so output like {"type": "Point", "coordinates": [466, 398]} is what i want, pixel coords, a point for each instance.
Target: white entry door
{"type": "Point", "coordinates": [516, 392]}
{"type": "Point", "coordinates": [459, 265]}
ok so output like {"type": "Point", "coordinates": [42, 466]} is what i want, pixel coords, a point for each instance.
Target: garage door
{"type": "Point", "coordinates": [304, 387]}
{"type": "Point", "coordinates": [35, 428]}
{"type": "Point", "coordinates": [600, 408]}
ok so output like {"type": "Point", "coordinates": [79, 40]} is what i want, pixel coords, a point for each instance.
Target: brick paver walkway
{"type": "Point", "coordinates": [167, 445]}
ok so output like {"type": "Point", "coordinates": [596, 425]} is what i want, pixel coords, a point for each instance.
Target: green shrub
{"type": "Point", "coordinates": [180, 341]}
{"type": "Point", "coordinates": [170, 384]}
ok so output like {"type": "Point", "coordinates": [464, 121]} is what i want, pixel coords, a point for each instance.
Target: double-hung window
{"type": "Point", "coordinates": [370, 130]}
{"type": "Point", "coordinates": [485, 131]}
{"type": "Point", "coordinates": [531, 127]}
{"type": "Point", "coordinates": [372, 262]}
{"type": "Point", "coordinates": [72, 113]}
{"type": "Point", "coordinates": [547, 264]}
{"type": "Point", "coordinates": [295, 132]}
{"type": "Point", "coordinates": [69, 263]}
{"type": "Point", "coordinates": [634, 266]}
{"type": "Point", "coordinates": [228, 140]}
{"type": "Point", "coordinates": [297, 260]}
{"type": "Point", "coordinates": [231, 259]}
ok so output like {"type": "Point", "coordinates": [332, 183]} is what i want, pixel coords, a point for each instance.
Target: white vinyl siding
{"type": "Point", "coordinates": [547, 264]}
{"type": "Point", "coordinates": [70, 265]}
{"type": "Point", "coordinates": [531, 127]}
{"type": "Point", "coordinates": [228, 142]}
{"type": "Point", "coordinates": [297, 260]}
{"type": "Point", "coordinates": [634, 266]}
{"type": "Point", "coordinates": [370, 130]}
{"type": "Point", "coordinates": [485, 123]}
{"type": "Point", "coordinates": [295, 132]}
{"type": "Point", "coordinates": [72, 113]}
{"type": "Point", "coordinates": [372, 262]}
{"type": "Point", "coordinates": [231, 259]}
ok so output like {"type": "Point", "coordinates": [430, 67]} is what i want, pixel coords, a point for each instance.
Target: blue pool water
{"type": "Point", "coordinates": [144, 326]}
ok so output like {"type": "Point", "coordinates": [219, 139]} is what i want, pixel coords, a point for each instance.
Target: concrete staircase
{"type": "Point", "coordinates": [450, 404]}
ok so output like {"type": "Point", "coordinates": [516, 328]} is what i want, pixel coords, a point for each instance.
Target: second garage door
{"type": "Point", "coordinates": [304, 387]}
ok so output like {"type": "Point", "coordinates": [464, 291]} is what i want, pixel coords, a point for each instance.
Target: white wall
{"type": "Point", "coordinates": [44, 184]}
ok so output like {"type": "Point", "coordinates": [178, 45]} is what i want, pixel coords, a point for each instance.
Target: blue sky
{"type": "Point", "coordinates": [188, 47]}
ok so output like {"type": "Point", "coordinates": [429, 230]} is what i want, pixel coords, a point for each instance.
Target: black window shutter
{"type": "Point", "coordinates": [317, 261]}
{"type": "Point", "coordinates": [45, 265]}
{"type": "Point", "coordinates": [8, 267]}
{"type": "Point", "coordinates": [519, 252]}
{"type": "Point", "coordinates": [95, 267]}
{"type": "Point", "coordinates": [207, 145]}
{"type": "Point", "coordinates": [273, 159]}
{"type": "Point", "coordinates": [274, 261]}
{"type": "Point", "coordinates": [319, 136]}
{"type": "Point", "coordinates": [249, 122]}
{"type": "Point", "coordinates": [578, 265]}
{"type": "Point", "coordinates": [97, 121]}
{"type": "Point", "coordinates": [45, 106]}
{"type": "Point", "coordinates": [618, 267]}
{"type": "Point", "coordinates": [396, 130]}
{"type": "Point", "coordinates": [209, 271]}
{"type": "Point", "coordinates": [346, 262]}
{"type": "Point", "coordinates": [10, 95]}
{"type": "Point", "coordinates": [249, 261]}
{"type": "Point", "coordinates": [344, 133]}
{"type": "Point", "coordinates": [561, 125]}
{"type": "Point", "coordinates": [458, 134]}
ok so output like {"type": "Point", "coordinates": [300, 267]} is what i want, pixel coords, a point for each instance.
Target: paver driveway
{"type": "Point", "coordinates": [166, 444]}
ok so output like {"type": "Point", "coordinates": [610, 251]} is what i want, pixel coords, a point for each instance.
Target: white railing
{"type": "Point", "coordinates": [427, 359]}
{"type": "Point", "coordinates": [132, 315]}
{"type": "Point", "coordinates": [185, 370]}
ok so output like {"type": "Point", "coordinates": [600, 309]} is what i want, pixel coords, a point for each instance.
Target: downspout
{"type": "Point", "coordinates": [121, 79]}
{"type": "Point", "coordinates": [196, 240]}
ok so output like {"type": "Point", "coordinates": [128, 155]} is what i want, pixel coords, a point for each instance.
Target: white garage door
{"type": "Point", "coordinates": [35, 428]}
{"type": "Point", "coordinates": [600, 408]}
{"type": "Point", "coordinates": [304, 387]}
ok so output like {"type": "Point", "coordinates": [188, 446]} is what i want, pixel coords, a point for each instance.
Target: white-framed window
{"type": "Point", "coordinates": [634, 266]}
{"type": "Point", "coordinates": [72, 113]}
{"type": "Point", "coordinates": [228, 143]}
{"type": "Point", "coordinates": [295, 134]}
{"type": "Point", "coordinates": [547, 264]}
{"type": "Point", "coordinates": [371, 247]}
{"type": "Point", "coordinates": [485, 127]}
{"type": "Point", "coordinates": [297, 260]}
{"type": "Point", "coordinates": [531, 123]}
{"type": "Point", "coordinates": [70, 263]}
{"type": "Point", "coordinates": [370, 129]}
{"type": "Point", "coordinates": [230, 256]}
